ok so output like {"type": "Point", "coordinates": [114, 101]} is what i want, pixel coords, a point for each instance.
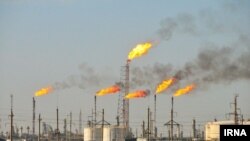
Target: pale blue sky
{"type": "Point", "coordinates": [43, 42]}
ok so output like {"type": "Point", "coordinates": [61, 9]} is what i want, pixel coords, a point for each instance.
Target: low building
{"type": "Point", "coordinates": [212, 129]}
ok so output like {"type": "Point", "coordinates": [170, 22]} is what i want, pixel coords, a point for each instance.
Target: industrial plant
{"type": "Point", "coordinates": [102, 130]}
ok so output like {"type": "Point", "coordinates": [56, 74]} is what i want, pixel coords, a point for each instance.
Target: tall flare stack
{"type": "Point", "coordinates": [123, 104]}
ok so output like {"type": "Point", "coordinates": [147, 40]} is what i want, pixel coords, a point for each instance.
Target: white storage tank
{"type": "Point", "coordinates": [106, 134]}
{"type": "Point", "coordinates": [88, 134]}
{"type": "Point", "coordinates": [141, 139]}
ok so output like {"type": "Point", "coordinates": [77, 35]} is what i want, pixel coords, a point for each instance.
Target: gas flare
{"type": "Point", "coordinates": [184, 90]}
{"type": "Point", "coordinates": [164, 85]}
{"type": "Point", "coordinates": [108, 90]}
{"type": "Point", "coordinates": [43, 91]}
{"type": "Point", "coordinates": [139, 50]}
{"type": "Point", "coordinates": [137, 94]}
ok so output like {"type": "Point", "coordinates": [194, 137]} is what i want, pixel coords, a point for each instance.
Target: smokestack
{"type": "Point", "coordinates": [117, 120]}
{"type": "Point", "coordinates": [148, 124]}
{"type": "Point", "coordinates": [172, 120]}
{"type": "Point", "coordinates": [11, 119]}
{"type": "Point", "coordinates": [80, 122]}
{"type": "Point", "coordinates": [65, 126]}
{"type": "Point", "coordinates": [102, 124]}
{"type": "Point", "coordinates": [155, 128]}
{"type": "Point", "coordinates": [235, 111]}
{"type": "Point", "coordinates": [21, 128]}
{"type": "Point", "coordinates": [95, 109]}
{"type": "Point", "coordinates": [194, 129]}
{"type": "Point", "coordinates": [57, 124]}
{"type": "Point", "coordinates": [39, 123]}
{"type": "Point", "coordinates": [34, 117]}
{"type": "Point", "coordinates": [143, 129]}
{"type": "Point", "coordinates": [70, 125]}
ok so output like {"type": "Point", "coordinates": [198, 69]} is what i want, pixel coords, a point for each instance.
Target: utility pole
{"type": "Point", "coordinates": [172, 123]}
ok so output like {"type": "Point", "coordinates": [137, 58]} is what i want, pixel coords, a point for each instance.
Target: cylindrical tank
{"type": "Point", "coordinates": [98, 134]}
{"type": "Point", "coordinates": [88, 134]}
{"type": "Point", "coordinates": [107, 134]}
{"type": "Point", "coordinates": [141, 139]}
{"type": "Point", "coordinates": [117, 133]}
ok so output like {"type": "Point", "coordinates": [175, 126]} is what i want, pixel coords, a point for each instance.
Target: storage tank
{"type": "Point", "coordinates": [88, 134]}
{"type": "Point", "coordinates": [106, 134]}
{"type": "Point", "coordinates": [98, 134]}
{"type": "Point", "coordinates": [141, 139]}
{"type": "Point", "coordinates": [117, 133]}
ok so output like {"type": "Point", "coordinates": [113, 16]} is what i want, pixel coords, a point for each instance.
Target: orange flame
{"type": "Point", "coordinates": [108, 90]}
{"type": "Point", "coordinates": [184, 90]}
{"type": "Point", "coordinates": [164, 85]}
{"type": "Point", "coordinates": [139, 50]}
{"type": "Point", "coordinates": [43, 91]}
{"type": "Point", "coordinates": [137, 94]}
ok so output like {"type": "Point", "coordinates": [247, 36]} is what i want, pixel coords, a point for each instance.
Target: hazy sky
{"type": "Point", "coordinates": [80, 45]}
